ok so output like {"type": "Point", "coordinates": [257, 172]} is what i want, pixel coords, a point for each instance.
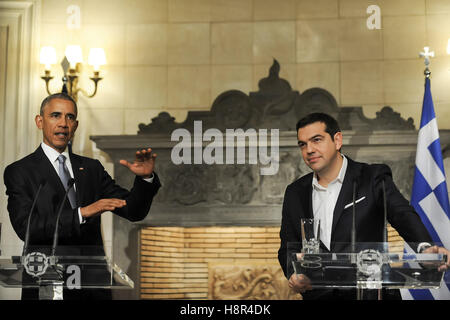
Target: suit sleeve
{"type": "Point", "coordinates": [290, 231]}
{"type": "Point", "coordinates": [139, 198]}
{"type": "Point", "coordinates": [21, 192]}
{"type": "Point", "coordinates": [401, 215]}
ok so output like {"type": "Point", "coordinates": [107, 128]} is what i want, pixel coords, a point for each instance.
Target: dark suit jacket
{"type": "Point", "coordinates": [369, 212]}
{"type": "Point", "coordinates": [23, 177]}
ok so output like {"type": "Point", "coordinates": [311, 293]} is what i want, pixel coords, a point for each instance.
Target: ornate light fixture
{"type": "Point", "coordinates": [71, 66]}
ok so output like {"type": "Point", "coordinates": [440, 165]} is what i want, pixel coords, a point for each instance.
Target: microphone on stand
{"type": "Point", "coordinates": [354, 219]}
{"type": "Point", "coordinates": [70, 184]}
{"type": "Point", "coordinates": [69, 147]}
{"type": "Point", "coordinates": [385, 231]}
{"type": "Point", "coordinates": [27, 231]}
{"type": "Point", "coordinates": [385, 235]}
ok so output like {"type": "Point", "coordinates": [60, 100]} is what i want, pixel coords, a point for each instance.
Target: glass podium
{"type": "Point", "coordinates": [364, 266]}
{"type": "Point", "coordinates": [69, 268]}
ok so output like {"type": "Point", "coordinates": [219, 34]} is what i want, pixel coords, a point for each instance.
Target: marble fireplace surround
{"type": "Point", "coordinates": [236, 194]}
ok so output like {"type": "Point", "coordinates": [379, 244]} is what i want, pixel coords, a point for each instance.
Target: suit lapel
{"type": "Point", "coordinates": [346, 193]}
{"type": "Point", "coordinates": [306, 197]}
{"type": "Point", "coordinates": [48, 172]}
{"type": "Point", "coordinates": [79, 176]}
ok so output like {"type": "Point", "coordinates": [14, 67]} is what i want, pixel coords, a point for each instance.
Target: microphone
{"type": "Point", "coordinates": [69, 147]}
{"type": "Point", "coordinates": [70, 184]}
{"type": "Point", "coordinates": [354, 219]}
{"type": "Point", "coordinates": [385, 232]}
{"type": "Point", "coordinates": [27, 231]}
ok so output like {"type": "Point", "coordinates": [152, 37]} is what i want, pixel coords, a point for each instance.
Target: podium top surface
{"type": "Point", "coordinates": [80, 267]}
{"type": "Point", "coordinates": [368, 266]}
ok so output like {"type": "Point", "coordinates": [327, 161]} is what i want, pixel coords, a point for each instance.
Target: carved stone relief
{"type": "Point", "coordinates": [403, 175]}
{"type": "Point", "coordinates": [402, 170]}
{"type": "Point", "coordinates": [291, 167]}
{"type": "Point", "coordinates": [203, 184]}
{"type": "Point", "coordinates": [249, 282]}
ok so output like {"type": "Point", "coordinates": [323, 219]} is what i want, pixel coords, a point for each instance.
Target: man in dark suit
{"type": "Point", "coordinates": [94, 191]}
{"type": "Point", "coordinates": [327, 194]}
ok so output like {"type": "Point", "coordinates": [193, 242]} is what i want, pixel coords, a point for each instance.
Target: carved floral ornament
{"type": "Point", "coordinates": [249, 282]}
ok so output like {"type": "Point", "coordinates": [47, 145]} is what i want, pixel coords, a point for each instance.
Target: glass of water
{"type": "Point", "coordinates": [310, 235]}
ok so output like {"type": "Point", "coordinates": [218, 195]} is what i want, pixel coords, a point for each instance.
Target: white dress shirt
{"type": "Point", "coordinates": [324, 201]}
{"type": "Point", "coordinates": [53, 155]}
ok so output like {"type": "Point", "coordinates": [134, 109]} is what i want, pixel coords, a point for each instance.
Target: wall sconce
{"type": "Point", "coordinates": [71, 66]}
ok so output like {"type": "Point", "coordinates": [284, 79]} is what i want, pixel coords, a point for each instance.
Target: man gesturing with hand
{"type": "Point", "coordinates": [52, 170]}
{"type": "Point", "coordinates": [142, 167]}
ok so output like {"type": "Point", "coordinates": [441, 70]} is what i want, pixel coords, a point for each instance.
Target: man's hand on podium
{"type": "Point", "coordinates": [441, 250]}
{"type": "Point", "coordinates": [299, 283]}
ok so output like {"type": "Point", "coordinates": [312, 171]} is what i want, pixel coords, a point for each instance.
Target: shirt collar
{"type": "Point", "coordinates": [52, 154]}
{"type": "Point", "coordinates": [340, 177]}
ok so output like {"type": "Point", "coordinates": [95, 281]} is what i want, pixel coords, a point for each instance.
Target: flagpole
{"type": "Point", "coordinates": [426, 54]}
{"type": "Point", "coordinates": [427, 73]}
{"type": "Point", "coordinates": [433, 205]}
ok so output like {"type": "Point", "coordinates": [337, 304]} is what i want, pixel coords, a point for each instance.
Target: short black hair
{"type": "Point", "coordinates": [60, 95]}
{"type": "Point", "coordinates": [331, 125]}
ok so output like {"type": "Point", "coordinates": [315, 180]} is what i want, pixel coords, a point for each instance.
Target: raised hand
{"type": "Point", "coordinates": [143, 164]}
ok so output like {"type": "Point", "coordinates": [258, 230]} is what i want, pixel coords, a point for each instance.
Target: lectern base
{"type": "Point", "coordinates": [51, 292]}
{"type": "Point", "coordinates": [373, 294]}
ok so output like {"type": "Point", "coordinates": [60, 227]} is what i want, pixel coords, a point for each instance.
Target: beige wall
{"type": "Point", "coordinates": [178, 55]}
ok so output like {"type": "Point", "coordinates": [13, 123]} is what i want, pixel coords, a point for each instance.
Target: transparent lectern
{"type": "Point", "coordinates": [364, 266]}
{"type": "Point", "coordinates": [69, 268]}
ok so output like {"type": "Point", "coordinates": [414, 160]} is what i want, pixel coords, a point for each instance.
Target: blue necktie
{"type": "Point", "coordinates": [64, 175]}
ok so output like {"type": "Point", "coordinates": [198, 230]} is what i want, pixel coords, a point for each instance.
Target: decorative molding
{"type": "Point", "coordinates": [19, 20]}
{"type": "Point", "coordinates": [388, 119]}
{"type": "Point", "coordinates": [276, 106]}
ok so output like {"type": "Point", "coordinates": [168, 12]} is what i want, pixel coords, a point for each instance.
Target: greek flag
{"type": "Point", "coordinates": [429, 193]}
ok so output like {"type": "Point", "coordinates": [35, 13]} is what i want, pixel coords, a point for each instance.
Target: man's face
{"type": "Point", "coordinates": [319, 151]}
{"type": "Point", "coordinates": [58, 123]}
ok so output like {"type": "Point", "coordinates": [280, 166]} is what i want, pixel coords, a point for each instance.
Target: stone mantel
{"type": "Point", "coordinates": [112, 144]}
{"type": "Point", "coordinates": [395, 148]}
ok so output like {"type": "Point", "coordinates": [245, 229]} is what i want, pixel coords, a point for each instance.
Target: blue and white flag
{"type": "Point", "coordinates": [429, 193]}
